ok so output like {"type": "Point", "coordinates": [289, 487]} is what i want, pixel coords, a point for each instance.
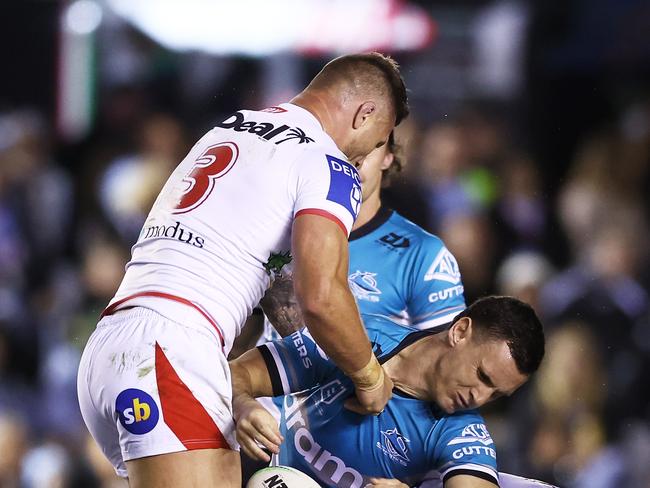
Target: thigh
{"type": "Point", "coordinates": [189, 469]}
{"type": "Point", "coordinates": [158, 387]}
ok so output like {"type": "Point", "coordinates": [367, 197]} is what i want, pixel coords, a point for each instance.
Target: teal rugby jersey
{"type": "Point", "coordinates": [340, 448]}
{"type": "Point", "coordinates": [400, 271]}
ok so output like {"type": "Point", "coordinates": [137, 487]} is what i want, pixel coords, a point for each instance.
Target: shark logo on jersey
{"type": "Point", "coordinates": [364, 286]}
{"type": "Point", "coordinates": [473, 433]}
{"type": "Point", "coordinates": [444, 267]}
{"type": "Point", "coordinates": [394, 445]}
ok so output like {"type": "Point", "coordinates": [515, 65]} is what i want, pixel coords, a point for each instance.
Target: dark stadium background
{"type": "Point", "coordinates": [538, 183]}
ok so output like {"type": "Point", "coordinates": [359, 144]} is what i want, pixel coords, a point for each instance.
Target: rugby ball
{"type": "Point", "coordinates": [281, 477]}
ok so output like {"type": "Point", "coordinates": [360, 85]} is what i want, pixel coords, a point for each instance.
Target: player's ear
{"type": "Point", "coordinates": [364, 112]}
{"type": "Point", "coordinates": [460, 332]}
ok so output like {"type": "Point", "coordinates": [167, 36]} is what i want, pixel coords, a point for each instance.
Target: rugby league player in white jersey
{"type": "Point", "coordinates": [261, 187]}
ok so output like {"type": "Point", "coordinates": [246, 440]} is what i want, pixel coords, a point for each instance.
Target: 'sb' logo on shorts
{"type": "Point", "coordinates": [137, 410]}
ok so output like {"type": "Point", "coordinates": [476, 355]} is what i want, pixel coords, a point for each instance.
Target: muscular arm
{"type": "Point", "coordinates": [250, 379]}
{"type": "Point", "coordinates": [250, 376]}
{"type": "Point", "coordinates": [320, 252]}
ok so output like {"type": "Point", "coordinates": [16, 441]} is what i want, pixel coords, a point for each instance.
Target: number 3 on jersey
{"type": "Point", "coordinates": [215, 162]}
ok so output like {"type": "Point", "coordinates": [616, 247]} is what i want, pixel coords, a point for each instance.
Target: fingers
{"type": "Point", "coordinates": [353, 405]}
{"type": "Point", "coordinates": [256, 430]}
{"type": "Point", "coordinates": [371, 402]}
{"type": "Point", "coordinates": [251, 449]}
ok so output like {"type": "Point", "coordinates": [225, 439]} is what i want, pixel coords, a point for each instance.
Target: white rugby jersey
{"type": "Point", "coordinates": [221, 224]}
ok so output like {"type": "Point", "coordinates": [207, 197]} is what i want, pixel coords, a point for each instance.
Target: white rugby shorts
{"type": "Point", "coordinates": [148, 385]}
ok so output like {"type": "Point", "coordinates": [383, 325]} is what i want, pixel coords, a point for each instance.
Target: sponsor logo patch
{"type": "Point", "coordinates": [444, 267]}
{"type": "Point", "coordinates": [395, 240]}
{"type": "Point", "coordinates": [137, 411]}
{"type": "Point", "coordinates": [473, 433]}
{"type": "Point", "coordinates": [446, 293]}
{"type": "Point", "coordinates": [176, 231]}
{"type": "Point", "coordinates": [345, 185]}
{"type": "Point", "coordinates": [323, 465]}
{"type": "Point", "coordinates": [265, 130]}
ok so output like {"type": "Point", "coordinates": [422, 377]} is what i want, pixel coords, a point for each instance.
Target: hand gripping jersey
{"type": "Point", "coordinates": [400, 271]}
{"type": "Point", "coordinates": [340, 448]}
{"type": "Point", "coordinates": [222, 222]}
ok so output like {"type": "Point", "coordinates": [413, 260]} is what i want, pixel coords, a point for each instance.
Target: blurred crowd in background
{"type": "Point", "coordinates": [535, 174]}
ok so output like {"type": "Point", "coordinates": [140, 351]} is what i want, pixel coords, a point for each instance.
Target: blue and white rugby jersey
{"type": "Point", "coordinates": [402, 272]}
{"type": "Point", "coordinates": [340, 448]}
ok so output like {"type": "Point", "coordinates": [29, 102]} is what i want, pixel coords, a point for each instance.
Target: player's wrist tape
{"type": "Point", "coordinates": [370, 377]}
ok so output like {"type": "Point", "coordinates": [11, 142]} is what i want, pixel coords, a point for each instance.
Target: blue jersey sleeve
{"type": "Point", "coordinates": [296, 363]}
{"type": "Point", "coordinates": [436, 289]}
{"type": "Point", "coordinates": [465, 447]}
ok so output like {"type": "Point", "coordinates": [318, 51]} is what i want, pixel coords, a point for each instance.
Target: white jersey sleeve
{"type": "Point", "coordinates": [329, 186]}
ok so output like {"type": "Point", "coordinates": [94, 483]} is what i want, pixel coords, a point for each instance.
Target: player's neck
{"type": "Point", "coordinates": [328, 111]}
{"type": "Point", "coordinates": [320, 107]}
{"type": "Point", "coordinates": [410, 373]}
{"type": "Point", "coordinates": [368, 210]}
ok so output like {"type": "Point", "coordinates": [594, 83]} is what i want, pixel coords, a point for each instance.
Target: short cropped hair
{"type": "Point", "coordinates": [508, 319]}
{"type": "Point", "coordinates": [369, 71]}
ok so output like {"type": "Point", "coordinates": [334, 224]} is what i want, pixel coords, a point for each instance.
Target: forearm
{"type": "Point", "coordinates": [329, 309]}
{"type": "Point", "coordinates": [256, 427]}
{"type": "Point", "coordinates": [336, 327]}
{"type": "Point", "coordinates": [242, 390]}
{"type": "Point", "coordinates": [250, 378]}
{"type": "Point", "coordinates": [282, 308]}
{"type": "Point", "coordinates": [250, 334]}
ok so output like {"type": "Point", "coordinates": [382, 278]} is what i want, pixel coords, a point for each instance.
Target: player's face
{"type": "Point", "coordinates": [475, 373]}
{"type": "Point", "coordinates": [372, 135]}
{"type": "Point", "coordinates": [372, 169]}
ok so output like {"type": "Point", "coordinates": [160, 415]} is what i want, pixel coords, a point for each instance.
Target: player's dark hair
{"type": "Point", "coordinates": [370, 70]}
{"type": "Point", "coordinates": [513, 321]}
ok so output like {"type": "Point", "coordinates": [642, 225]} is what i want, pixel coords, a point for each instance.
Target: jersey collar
{"type": "Point", "coordinates": [308, 117]}
{"type": "Point", "coordinates": [382, 215]}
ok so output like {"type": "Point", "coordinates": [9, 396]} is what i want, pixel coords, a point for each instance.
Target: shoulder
{"type": "Point", "coordinates": [385, 332]}
{"type": "Point", "coordinates": [466, 428]}
{"type": "Point", "coordinates": [287, 128]}
{"type": "Point", "coordinates": [417, 235]}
